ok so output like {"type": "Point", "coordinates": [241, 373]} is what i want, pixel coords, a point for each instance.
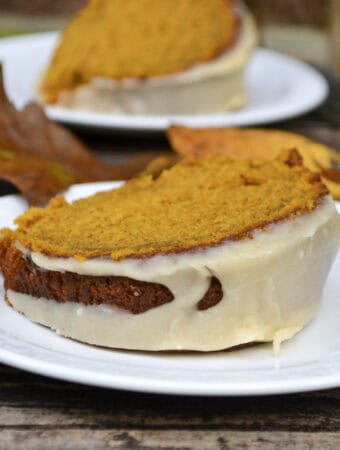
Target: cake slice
{"type": "Point", "coordinates": [150, 56]}
{"type": "Point", "coordinates": [211, 254]}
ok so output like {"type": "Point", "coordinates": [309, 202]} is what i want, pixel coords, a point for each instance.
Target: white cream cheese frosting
{"type": "Point", "coordinates": [272, 287]}
{"type": "Point", "coordinates": [210, 87]}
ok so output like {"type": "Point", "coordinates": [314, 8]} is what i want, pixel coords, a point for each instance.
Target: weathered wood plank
{"type": "Point", "coordinates": [76, 409]}
{"type": "Point", "coordinates": [165, 440]}
{"type": "Point", "coordinates": [145, 418]}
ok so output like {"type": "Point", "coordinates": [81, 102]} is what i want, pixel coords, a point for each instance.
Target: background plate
{"type": "Point", "coordinates": [279, 87]}
{"type": "Point", "coordinates": [310, 361]}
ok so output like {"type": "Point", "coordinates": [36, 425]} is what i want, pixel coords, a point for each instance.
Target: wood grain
{"type": "Point", "coordinates": [166, 440]}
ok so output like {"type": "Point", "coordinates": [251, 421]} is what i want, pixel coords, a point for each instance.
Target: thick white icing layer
{"type": "Point", "coordinates": [204, 88]}
{"type": "Point", "coordinates": [272, 287]}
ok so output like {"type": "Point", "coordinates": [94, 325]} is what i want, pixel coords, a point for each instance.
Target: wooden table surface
{"type": "Point", "coordinates": [41, 414]}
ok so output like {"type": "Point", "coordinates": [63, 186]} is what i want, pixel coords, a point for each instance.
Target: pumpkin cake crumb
{"type": "Point", "coordinates": [196, 203]}
{"type": "Point", "coordinates": [148, 46]}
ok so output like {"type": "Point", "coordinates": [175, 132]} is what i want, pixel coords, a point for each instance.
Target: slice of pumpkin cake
{"type": "Point", "coordinates": [211, 254]}
{"type": "Point", "coordinates": [151, 56]}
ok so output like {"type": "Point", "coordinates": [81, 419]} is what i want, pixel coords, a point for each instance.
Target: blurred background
{"type": "Point", "coordinates": [307, 29]}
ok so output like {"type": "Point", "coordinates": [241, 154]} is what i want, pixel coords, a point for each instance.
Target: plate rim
{"type": "Point", "coordinates": [152, 386]}
{"type": "Point", "coordinates": [149, 123]}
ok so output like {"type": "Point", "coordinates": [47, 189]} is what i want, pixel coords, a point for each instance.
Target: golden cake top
{"type": "Point", "coordinates": [197, 203]}
{"type": "Point", "coordinates": [137, 39]}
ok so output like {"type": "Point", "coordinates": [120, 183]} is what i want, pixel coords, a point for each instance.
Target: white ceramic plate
{"type": "Point", "coordinates": [311, 360]}
{"type": "Point", "coordinates": [279, 87]}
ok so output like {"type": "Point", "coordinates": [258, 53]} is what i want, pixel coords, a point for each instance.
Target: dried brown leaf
{"type": "Point", "coordinates": [42, 158]}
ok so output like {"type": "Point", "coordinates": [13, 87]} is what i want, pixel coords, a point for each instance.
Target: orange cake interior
{"type": "Point", "coordinates": [138, 38]}
{"type": "Point", "coordinates": [197, 203]}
